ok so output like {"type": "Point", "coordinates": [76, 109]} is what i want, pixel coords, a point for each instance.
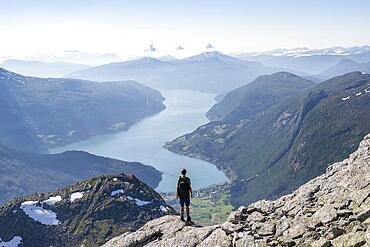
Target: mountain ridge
{"type": "Point", "coordinates": [209, 71]}
{"type": "Point", "coordinates": [87, 213]}
{"type": "Point", "coordinates": [42, 113]}
{"type": "Point", "coordinates": [276, 150]}
{"type": "Point", "coordinates": [25, 173]}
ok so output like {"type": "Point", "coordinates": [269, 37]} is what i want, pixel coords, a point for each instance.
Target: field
{"type": "Point", "coordinates": [208, 206]}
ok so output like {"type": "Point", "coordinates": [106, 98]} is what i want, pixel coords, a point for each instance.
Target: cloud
{"type": "Point", "coordinates": [179, 47]}
{"type": "Point", "coordinates": [209, 46]}
{"type": "Point", "coordinates": [151, 47]}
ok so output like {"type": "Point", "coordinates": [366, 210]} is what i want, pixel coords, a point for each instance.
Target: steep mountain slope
{"type": "Point", "coordinates": [259, 95]}
{"type": "Point", "coordinates": [41, 113]}
{"type": "Point", "coordinates": [210, 71]}
{"type": "Point", "coordinates": [276, 150]}
{"type": "Point", "coordinates": [25, 173]}
{"type": "Point", "coordinates": [331, 210]}
{"type": "Point", "coordinates": [42, 69]}
{"type": "Point", "coordinates": [343, 67]}
{"type": "Point", "coordinates": [84, 214]}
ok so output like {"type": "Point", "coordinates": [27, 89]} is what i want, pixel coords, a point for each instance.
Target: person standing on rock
{"type": "Point", "coordinates": [184, 192]}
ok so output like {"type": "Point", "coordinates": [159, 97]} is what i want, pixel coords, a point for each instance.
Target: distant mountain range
{"type": "Point", "coordinates": [87, 213]}
{"type": "Point", "coordinates": [72, 56]}
{"type": "Point", "coordinates": [304, 51]}
{"type": "Point", "coordinates": [311, 61]}
{"type": "Point", "coordinates": [271, 141]}
{"type": "Point", "coordinates": [25, 173]}
{"type": "Point", "coordinates": [209, 71]}
{"type": "Point", "coordinates": [343, 67]}
{"type": "Point", "coordinates": [41, 113]}
{"type": "Point", "coordinates": [42, 69]}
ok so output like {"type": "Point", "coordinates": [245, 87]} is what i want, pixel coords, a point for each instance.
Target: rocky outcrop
{"type": "Point", "coordinates": [88, 213]}
{"type": "Point", "coordinates": [330, 210]}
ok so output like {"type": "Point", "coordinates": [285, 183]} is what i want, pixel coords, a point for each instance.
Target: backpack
{"type": "Point", "coordinates": [183, 187]}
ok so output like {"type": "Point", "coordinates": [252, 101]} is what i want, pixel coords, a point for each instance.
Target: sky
{"type": "Point", "coordinates": [136, 27]}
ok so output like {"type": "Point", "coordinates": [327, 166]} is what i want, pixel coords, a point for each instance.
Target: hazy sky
{"type": "Point", "coordinates": [128, 27]}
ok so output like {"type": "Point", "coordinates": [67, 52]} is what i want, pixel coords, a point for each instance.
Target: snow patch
{"type": "Point", "coordinates": [118, 126]}
{"type": "Point", "coordinates": [358, 94]}
{"type": "Point", "coordinates": [14, 242]}
{"type": "Point", "coordinates": [117, 192]}
{"type": "Point", "coordinates": [163, 209]}
{"type": "Point", "coordinates": [72, 132]}
{"type": "Point", "coordinates": [367, 91]}
{"type": "Point", "coordinates": [38, 213]}
{"type": "Point", "coordinates": [346, 98]}
{"type": "Point", "coordinates": [75, 196]}
{"type": "Point", "coordinates": [52, 200]}
{"type": "Point", "coordinates": [115, 179]}
{"type": "Point", "coordinates": [138, 201]}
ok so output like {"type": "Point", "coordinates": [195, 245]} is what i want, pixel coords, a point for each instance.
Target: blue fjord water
{"type": "Point", "coordinates": [143, 142]}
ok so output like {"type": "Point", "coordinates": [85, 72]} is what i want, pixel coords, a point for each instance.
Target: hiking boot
{"type": "Point", "coordinates": [189, 218]}
{"type": "Point", "coordinates": [182, 218]}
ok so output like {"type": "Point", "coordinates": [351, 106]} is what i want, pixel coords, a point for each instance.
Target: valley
{"type": "Point", "coordinates": [38, 113]}
{"type": "Point", "coordinates": [185, 110]}
{"type": "Point", "coordinates": [269, 144]}
{"type": "Point", "coordinates": [224, 123]}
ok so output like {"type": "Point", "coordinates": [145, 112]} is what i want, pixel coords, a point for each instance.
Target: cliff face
{"type": "Point", "coordinates": [330, 210]}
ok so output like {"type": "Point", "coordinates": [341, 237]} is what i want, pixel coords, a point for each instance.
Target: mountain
{"type": "Point", "coordinates": [25, 173]}
{"type": "Point", "coordinates": [343, 67]}
{"type": "Point", "coordinates": [259, 95]}
{"type": "Point", "coordinates": [304, 51]}
{"type": "Point", "coordinates": [42, 69]}
{"type": "Point", "coordinates": [167, 58]}
{"type": "Point", "coordinates": [210, 71]}
{"type": "Point", "coordinates": [84, 214]}
{"type": "Point", "coordinates": [75, 56]}
{"type": "Point", "coordinates": [311, 61]}
{"type": "Point", "coordinates": [273, 151]}
{"type": "Point", "coordinates": [330, 210]}
{"type": "Point", "coordinates": [41, 113]}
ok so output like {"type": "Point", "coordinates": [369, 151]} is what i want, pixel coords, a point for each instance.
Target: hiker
{"type": "Point", "coordinates": [184, 192]}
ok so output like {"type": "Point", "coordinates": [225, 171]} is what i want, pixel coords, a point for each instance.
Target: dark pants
{"type": "Point", "coordinates": [184, 201]}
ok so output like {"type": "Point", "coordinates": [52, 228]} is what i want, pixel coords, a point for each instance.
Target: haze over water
{"type": "Point", "coordinates": [143, 142]}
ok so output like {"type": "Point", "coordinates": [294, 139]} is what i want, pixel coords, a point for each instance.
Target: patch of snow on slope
{"type": "Point", "coordinates": [38, 213]}
{"type": "Point", "coordinates": [346, 98]}
{"type": "Point", "coordinates": [14, 242]}
{"type": "Point", "coordinates": [52, 200]}
{"type": "Point", "coordinates": [138, 201]}
{"type": "Point", "coordinates": [116, 192]}
{"type": "Point", "coordinates": [367, 91]}
{"type": "Point", "coordinates": [75, 196]}
{"type": "Point", "coordinates": [163, 208]}
{"type": "Point", "coordinates": [358, 94]}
